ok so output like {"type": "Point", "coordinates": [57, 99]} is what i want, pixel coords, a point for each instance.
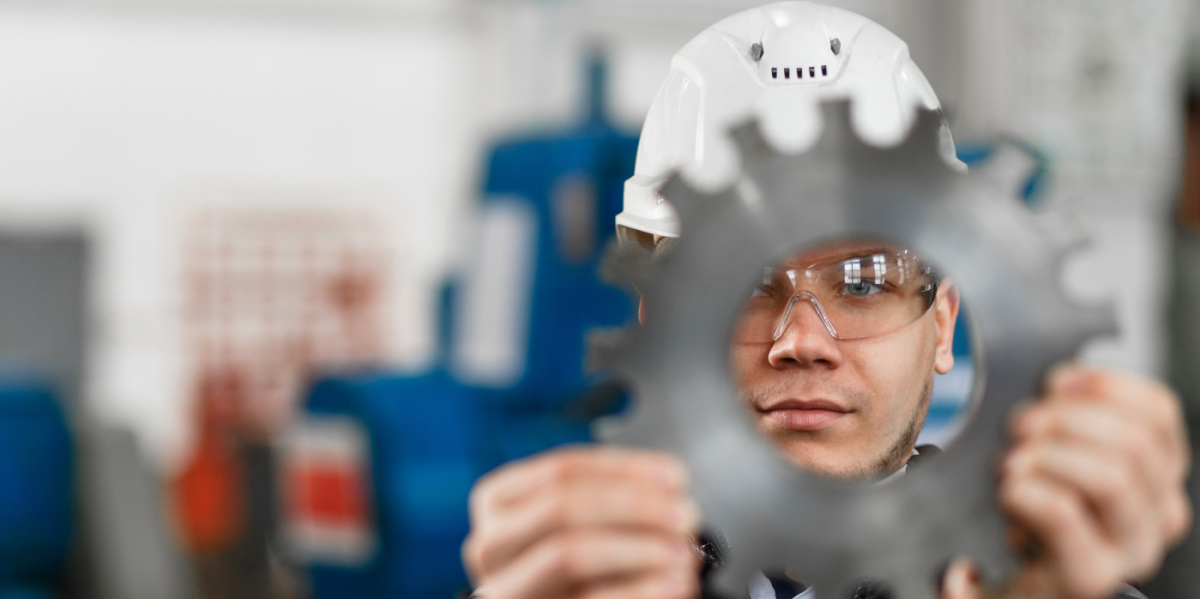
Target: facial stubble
{"type": "Point", "coordinates": [897, 453]}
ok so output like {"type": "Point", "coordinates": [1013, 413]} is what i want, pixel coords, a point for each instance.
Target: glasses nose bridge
{"type": "Point", "coordinates": [785, 318]}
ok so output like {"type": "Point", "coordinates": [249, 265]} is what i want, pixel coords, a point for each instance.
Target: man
{"type": "Point", "coordinates": [824, 343]}
{"type": "Point", "coordinates": [1093, 481]}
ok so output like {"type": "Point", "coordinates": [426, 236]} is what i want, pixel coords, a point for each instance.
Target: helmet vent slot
{"type": "Point", "coordinates": [812, 72]}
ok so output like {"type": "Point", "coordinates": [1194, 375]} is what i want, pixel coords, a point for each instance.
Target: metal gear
{"type": "Point", "coordinates": [835, 534]}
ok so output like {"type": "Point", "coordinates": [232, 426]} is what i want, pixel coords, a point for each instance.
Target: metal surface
{"type": "Point", "coordinates": [835, 535]}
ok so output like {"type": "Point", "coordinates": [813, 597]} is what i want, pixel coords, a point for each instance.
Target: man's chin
{"type": "Point", "coordinates": [835, 463]}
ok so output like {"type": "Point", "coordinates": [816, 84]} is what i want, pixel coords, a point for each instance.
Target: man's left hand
{"type": "Point", "coordinates": [1094, 485]}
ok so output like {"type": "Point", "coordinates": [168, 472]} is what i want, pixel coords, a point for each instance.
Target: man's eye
{"type": "Point", "coordinates": [861, 289]}
{"type": "Point", "coordinates": [761, 290]}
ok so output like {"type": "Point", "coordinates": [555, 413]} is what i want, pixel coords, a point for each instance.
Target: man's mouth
{"type": "Point", "coordinates": [798, 415]}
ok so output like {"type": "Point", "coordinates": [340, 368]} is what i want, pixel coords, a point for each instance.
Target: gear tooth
{"type": "Point", "coordinates": [749, 139]}
{"type": "Point", "coordinates": [622, 266]}
{"type": "Point", "coordinates": [677, 191]}
{"type": "Point", "coordinates": [1069, 244]}
{"type": "Point", "coordinates": [1008, 168]}
{"type": "Point", "coordinates": [926, 135]}
{"type": "Point", "coordinates": [1064, 231]}
{"type": "Point", "coordinates": [606, 347]}
{"type": "Point", "coordinates": [836, 126]}
{"type": "Point", "coordinates": [1098, 320]}
{"type": "Point", "coordinates": [689, 204]}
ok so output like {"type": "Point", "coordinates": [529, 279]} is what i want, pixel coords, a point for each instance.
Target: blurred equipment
{"type": "Point", "coordinates": [377, 470]}
{"type": "Point", "coordinates": [899, 535]}
{"type": "Point", "coordinates": [130, 549]}
{"type": "Point", "coordinates": [42, 318]}
{"type": "Point", "coordinates": [38, 525]}
{"type": "Point", "coordinates": [272, 297]}
{"type": "Point", "coordinates": [42, 341]}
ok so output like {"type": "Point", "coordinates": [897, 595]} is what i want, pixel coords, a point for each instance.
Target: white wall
{"type": "Point", "coordinates": [125, 122]}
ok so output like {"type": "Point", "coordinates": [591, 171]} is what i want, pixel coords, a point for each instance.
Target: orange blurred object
{"type": "Point", "coordinates": [208, 494]}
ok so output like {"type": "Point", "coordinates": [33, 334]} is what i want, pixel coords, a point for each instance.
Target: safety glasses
{"type": "Point", "coordinates": [856, 295]}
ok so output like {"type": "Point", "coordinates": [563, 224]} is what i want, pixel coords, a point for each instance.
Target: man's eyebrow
{"type": "Point", "coordinates": [838, 256]}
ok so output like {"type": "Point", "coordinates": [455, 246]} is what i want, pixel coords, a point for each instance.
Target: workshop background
{"type": "Point", "coordinates": [283, 277]}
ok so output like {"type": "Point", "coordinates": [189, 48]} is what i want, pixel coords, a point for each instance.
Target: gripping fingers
{"type": "Point", "coordinates": [1149, 402]}
{"type": "Point", "coordinates": [1106, 483]}
{"type": "Point", "coordinates": [670, 584]}
{"type": "Point", "coordinates": [579, 505]}
{"type": "Point", "coordinates": [519, 480]}
{"type": "Point", "coordinates": [1133, 451]}
{"type": "Point", "coordinates": [514, 506]}
{"type": "Point", "coordinates": [1088, 565]}
{"type": "Point", "coordinates": [578, 560]}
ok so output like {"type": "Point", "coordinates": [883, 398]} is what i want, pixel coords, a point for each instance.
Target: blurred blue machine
{"type": "Point", "coordinates": [37, 491]}
{"type": "Point", "coordinates": [377, 478]}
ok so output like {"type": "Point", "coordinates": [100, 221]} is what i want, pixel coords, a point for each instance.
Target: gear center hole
{"type": "Point", "coordinates": [849, 354]}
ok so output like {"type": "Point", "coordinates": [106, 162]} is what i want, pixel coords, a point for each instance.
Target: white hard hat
{"type": "Point", "coordinates": [777, 63]}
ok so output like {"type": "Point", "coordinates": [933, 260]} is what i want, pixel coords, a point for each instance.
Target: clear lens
{"type": "Point", "coordinates": [853, 292]}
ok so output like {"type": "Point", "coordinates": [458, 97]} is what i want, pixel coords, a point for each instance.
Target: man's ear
{"type": "Point", "coordinates": [945, 307]}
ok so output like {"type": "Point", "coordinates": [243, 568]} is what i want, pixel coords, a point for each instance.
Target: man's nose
{"type": "Point", "coordinates": [803, 337]}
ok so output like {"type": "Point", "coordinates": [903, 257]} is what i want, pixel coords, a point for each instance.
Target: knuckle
{"type": "Point", "coordinates": [1146, 557]}
{"type": "Point", "coordinates": [1140, 447]}
{"type": "Point", "coordinates": [1047, 419]}
{"type": "Point", "coordinates": [471, 555]}
{"type": "Point", "coordinates": [1172, 410]}
{"type": "Point", "coordinates": [1099, 383]}
{"type": "Point", "coordinates": [560, 510]}
{"type": "Point", "coordinates": [481, 500]}
{"type": "Point", "coordinates": [1160, 391]}
{"type": "Point", "coordinates": [1179, 517]}
{"type": "Point", "coordinates": [480, 551]}
{"type": "Point", "coordinates": [1096, 575]}
{"type": "Point", "coordinates": [558, 471]}
{"type": "Point", "coordinates": [1010, 496]}
{"type": "Point", "coordinates": [1061, 515]}
{"type": "Point", "coordinates": [568, 555]}
{"type": "Point", "coordinates": [1022, 461]}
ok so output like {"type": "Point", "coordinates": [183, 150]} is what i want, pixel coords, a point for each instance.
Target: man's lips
{"type": "Point", "coordinates": [804, 415]}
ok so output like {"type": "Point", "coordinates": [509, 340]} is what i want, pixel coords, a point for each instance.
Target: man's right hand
{"type": "Point", "coordinates": [584, 523]}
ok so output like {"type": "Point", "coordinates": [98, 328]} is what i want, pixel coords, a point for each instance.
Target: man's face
{"type": "Point", "coordinates": [846, 408]}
